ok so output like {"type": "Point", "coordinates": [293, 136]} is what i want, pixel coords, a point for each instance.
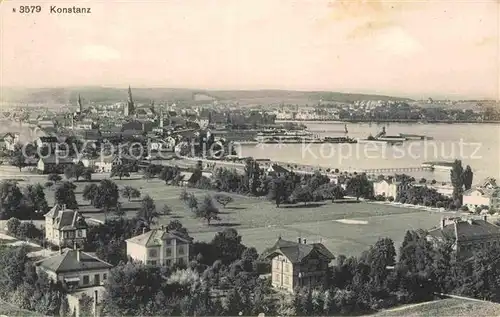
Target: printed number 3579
{"type": "Point", "coordinates": [30, 9]}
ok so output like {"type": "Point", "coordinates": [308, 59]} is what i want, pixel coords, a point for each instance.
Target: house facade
{"type": "Point", "coordinates": [298, 264]}
{"type": "Point", "coordinates": [385, 188]}
{"type": "Point", "coordinates": [65, 227]}
{"type": "Point", "coordinates": [486, 193]}
{"type": "Point", "coordinates": [75, 269]}
{"type": "Point", "coordinates": [465, 235]}
{"type": "Point", "coordinates": [53, 164]}
{"type": "Point", "coordinates": [10, 140]}
{"type": "Point", "coordinates": [160, 247]}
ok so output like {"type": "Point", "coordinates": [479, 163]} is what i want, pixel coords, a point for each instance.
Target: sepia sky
{"type": "Point", "coordinates": [440, 48]}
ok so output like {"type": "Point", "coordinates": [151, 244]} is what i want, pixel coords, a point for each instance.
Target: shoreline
{"type": "Point", "coordinates": [328, 121]}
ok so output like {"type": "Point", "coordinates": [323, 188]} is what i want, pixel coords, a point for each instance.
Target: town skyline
{"type": "Point", "coordinates": [408, 49]}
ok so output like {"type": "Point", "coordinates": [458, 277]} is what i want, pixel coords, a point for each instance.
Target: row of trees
{"type": "Point", "coordinates": [26, 203]}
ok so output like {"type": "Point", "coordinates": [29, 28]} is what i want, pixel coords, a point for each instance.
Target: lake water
{"type": "Point", "coordinates": [477, 145]}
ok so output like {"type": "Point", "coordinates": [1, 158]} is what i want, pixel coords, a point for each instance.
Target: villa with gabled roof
{"type": "Point", "coordinates": [65, 227]}
{"type": "Point", "coordinates": [161, 247]}
{"type": "Point", "coordinates": [298, 264]}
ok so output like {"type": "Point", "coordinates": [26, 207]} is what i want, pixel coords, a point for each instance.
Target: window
{"type": "Point", "coordinates": [153, 253]}
{"type": "Point", "coordinates": [168, 252]}
{"type": "Point", "coordinates": [153, 262]}
{"type": "Point", "coordinates": [168, 262]}
{"type": "Point", "coordinates": [85, 280]}
{"type": "Point", "coordinates": [80, 234]}
{"type": "Point", "coordinates": [104, 276]}
{"type": "Point", "coordinates": [181, 250]}
{"type": "Point", "coordinates": [168, 242]}
{"type": "Point", "coordinates": [180, 261]}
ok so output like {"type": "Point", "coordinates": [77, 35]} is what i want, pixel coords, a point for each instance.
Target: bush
{"type": "Point", "coordinates": [390, 198]}
{"type": "Point", "coordinates": [402, 200]}
{"type": "Point", "coordinates": [439, 204]}
{"type": "Point", "coordinates": [13, 226]}
{"type": "Point", "coordinates": [48, 184]}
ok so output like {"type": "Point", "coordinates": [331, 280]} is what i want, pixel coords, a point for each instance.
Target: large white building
{"type": "Point", "coordinates": [160, 247]}
{"type": "Point", "coordinates": [485, 194]}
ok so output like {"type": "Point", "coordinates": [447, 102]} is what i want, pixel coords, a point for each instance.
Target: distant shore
{"type": "Point", "coordinates": [389, 121]}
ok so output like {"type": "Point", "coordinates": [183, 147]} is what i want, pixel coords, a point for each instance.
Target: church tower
{"type": "Point", "coordinates": [129, 107]}
{"type": "Point", "coordinates": [80, 106]}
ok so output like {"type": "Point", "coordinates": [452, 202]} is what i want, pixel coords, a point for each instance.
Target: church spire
{"type": "Point", "coordinates": [80, 106]}
{"type": "Point", "coordinates": [129, 108]}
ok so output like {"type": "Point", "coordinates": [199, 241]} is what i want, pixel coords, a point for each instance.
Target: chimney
{"type": "Point", "coordinates": [305, 241]}
{"type": "Point", "coordinates": [78, 255]}
{"type": "Point", "coordinates": [299, 240]}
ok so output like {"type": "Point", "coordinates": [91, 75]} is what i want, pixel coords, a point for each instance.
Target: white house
{"type": "Point", "coordinates": [386, 188]}
{"type": "Point", "coordinates": [485, 194]}
{"type": "Point", "coordinates": [160, 247]}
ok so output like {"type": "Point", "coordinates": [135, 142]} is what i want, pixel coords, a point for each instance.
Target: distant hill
{"type": "Point", "coordinates": [159, 95]}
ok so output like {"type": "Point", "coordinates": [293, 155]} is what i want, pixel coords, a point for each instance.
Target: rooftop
{"type": "Point", "coordinates": [69, 261]}
{"type": "Point", "coordinates": [154, 237]}
{"type": "Point", "coordinates": [296, 252]}
{"type": "Point", "coordinates": [470, 229]}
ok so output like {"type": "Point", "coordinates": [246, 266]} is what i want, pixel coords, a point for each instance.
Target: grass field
{"type": "Point", "coordinates": [260, 223]}
{"type": "Point", "coordinates": [445, 307]}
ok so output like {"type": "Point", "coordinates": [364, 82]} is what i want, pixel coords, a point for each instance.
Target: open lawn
{"type": "Point", "coordinates": [344, 228]}
{"type": "Point", "coordinates": [445, 307]}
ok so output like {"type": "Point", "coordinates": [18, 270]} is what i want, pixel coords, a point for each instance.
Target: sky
{"type": "Point", "coordinates": [440, 48]}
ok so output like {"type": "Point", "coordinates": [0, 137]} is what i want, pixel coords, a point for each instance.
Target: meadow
{"type": "Point", "coordinates": [345, 228]}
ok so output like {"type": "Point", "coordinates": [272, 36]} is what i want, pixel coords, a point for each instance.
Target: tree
{"type": "Point", "coordinates": [90, 192]}
{"type": "Point", "coordinates": [10, 199]}
{"type": "Point", "coordinates": [120, 170]}
{"type": "Point", "coordinates": [227, 245]}
{"type": "Point", "coordinates": [69, 171]}
{"type": "Point", "coordinates": [207, 210]}
{"type": "Point", "coordinates": [359, 186]}
{"type": "Point", "coordinates": [176, 225]}
{"type": "Point", "coordinates": [13, 226]}
{"type": "Point", "coordinates": [302, 194]}
{"type": "Point", "coordinates": [17, 159]}
{"type": "Point", "coordinates": [34, 198]}
{"type": "Point", "coordinates": [54, 177]}
{"type": "Point", "coordinates": [166, 210]}
{"type": "Point", "coordinates": [456, 175]}
{"type": "Point", "coordinates": [192, 202]}
{"type": "Point", "coordinates": [130, 192]}
{"type": "Point", "coordinates": [107, 196]}
{"type": "Point", "coordinates": [130, 287]}
{"type": "Point", "coordinates": [467, 177]}
{"type": "Point", "coordinates": [119, 211]}
{"type": "Point", "coordinates": [148, 212]}
{"type": "Point", "coordinates": [65, 195]}
{"type": "Point", "coordinates": [87, 173]}
{"type": "Point", "coordinates": [223, 199]}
